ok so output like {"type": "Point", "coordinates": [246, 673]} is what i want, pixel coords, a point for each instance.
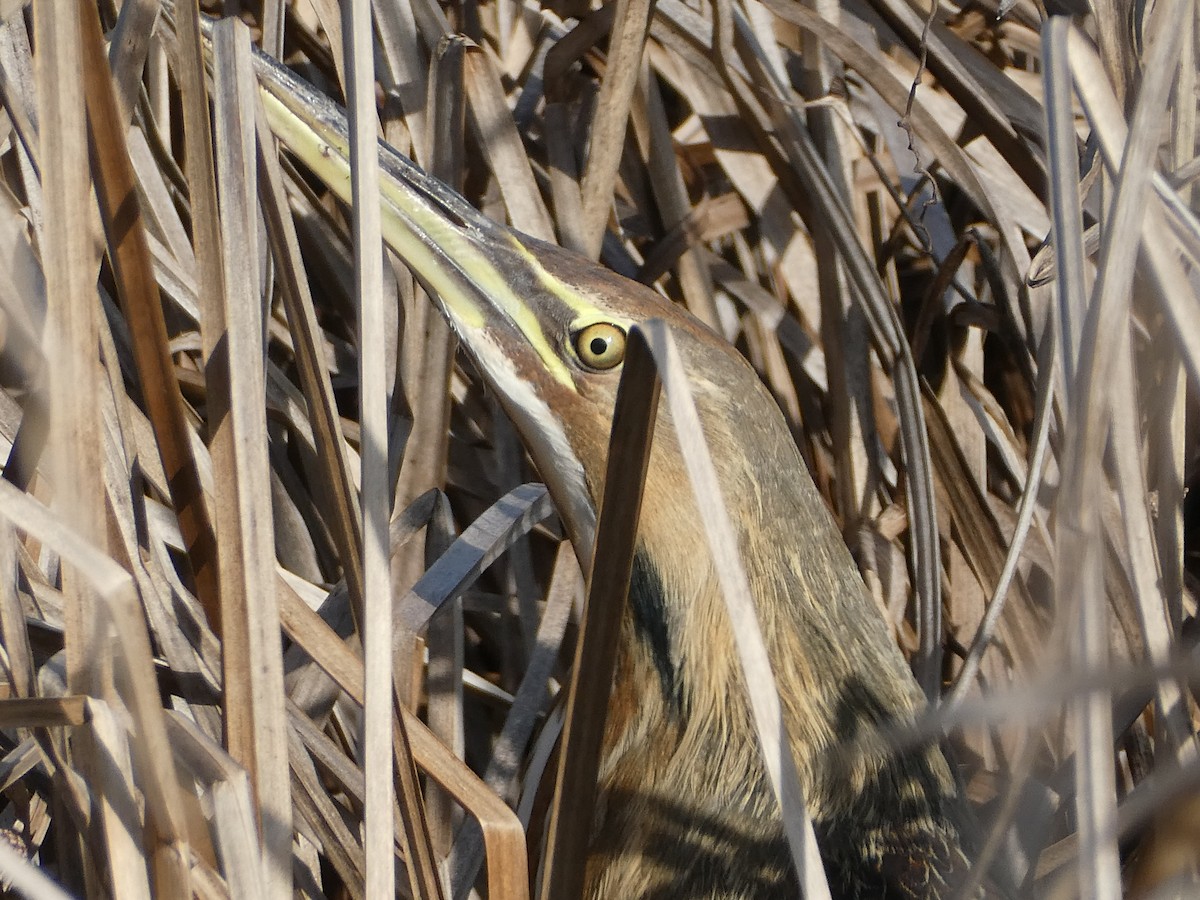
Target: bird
{"type": "Point", "coordinates": [685, 809]}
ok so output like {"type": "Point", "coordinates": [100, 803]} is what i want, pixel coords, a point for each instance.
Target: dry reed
{"type": "Point", "coordinates": [959, 242]}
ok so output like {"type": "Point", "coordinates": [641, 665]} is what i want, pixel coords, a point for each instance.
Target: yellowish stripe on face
{"type": "Point", "coordinates": [410, 227]}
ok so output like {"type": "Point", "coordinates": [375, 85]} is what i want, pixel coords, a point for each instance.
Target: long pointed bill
{"type": "Point", "coordinates": [466, 258]}
{"type": "Point", "coordinates": [472, 265]}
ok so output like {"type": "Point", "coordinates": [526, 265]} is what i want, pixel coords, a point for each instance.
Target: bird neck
{"type": "Point", "coordinates": [839, 673]}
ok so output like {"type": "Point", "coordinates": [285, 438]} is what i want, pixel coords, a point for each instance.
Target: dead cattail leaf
{"type": "Point", "coordinates": [957, 242]}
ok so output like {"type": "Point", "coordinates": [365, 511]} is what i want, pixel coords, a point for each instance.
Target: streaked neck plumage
{"type": "Point", "coordinates": [685, 800]}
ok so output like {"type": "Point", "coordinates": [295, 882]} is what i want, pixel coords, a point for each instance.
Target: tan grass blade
{"type": "Point", "coordinates": [497, 133]}
{"type": "Point", "coordinates": [571, 814]}
{"type": "Point", "coordinates": [628, 36]}
{"type": "Point", "coordinates": [206, 240]}
{"type": "Point", "coordinates": [136, 288]}
{"type": "Point", "coordinates": [75, 425]}
{"type": "Point", "coordinates": [253, 672]}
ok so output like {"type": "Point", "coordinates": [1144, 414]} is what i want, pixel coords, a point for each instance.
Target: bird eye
{"type": "Point", "coordinates": [600, 346]}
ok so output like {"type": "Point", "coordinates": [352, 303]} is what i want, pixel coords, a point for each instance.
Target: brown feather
{"type": "Point", "coordinates": [686, 810]}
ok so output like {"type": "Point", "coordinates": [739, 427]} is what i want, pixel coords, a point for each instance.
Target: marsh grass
{"type": "Point", "coordinates": [961, 248]}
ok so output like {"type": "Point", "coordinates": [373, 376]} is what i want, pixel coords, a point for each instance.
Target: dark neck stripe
{"type": "Point", "coordinates": [648, 606]}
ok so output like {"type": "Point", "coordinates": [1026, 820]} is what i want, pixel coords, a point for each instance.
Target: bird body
{"type": "Point", "coordinates": [685, 809]}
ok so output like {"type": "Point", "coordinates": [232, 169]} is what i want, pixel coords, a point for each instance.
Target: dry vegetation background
{"type": "Point", "coordinates": [858, 195]}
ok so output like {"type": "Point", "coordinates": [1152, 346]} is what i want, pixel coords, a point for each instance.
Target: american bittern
{"type": "Point", "coordinates": [686, 809]}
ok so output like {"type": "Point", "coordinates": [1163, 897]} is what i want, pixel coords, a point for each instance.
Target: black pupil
{"type": "Point", "coordinates": [598, 345]}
